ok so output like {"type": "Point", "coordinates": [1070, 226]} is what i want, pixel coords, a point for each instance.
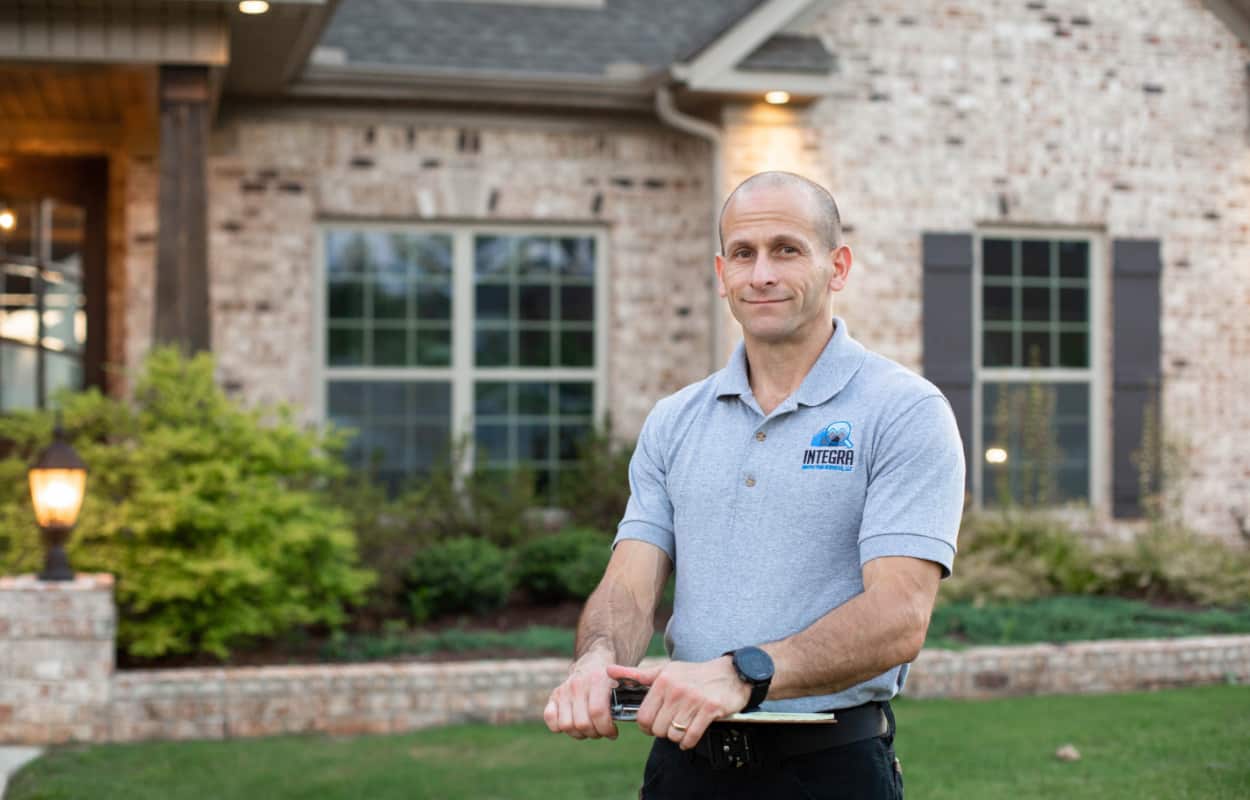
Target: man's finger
{"type": "Point", "coordinates": [696, 729]}
{"type": "Point", "coordinates": [551, 716]}
{"type": "Point", "coordinates": [643, 676]}
{"type": "Point", "coordinates": [581, 717]}
{"type": "Point", "coordinates": [601, 714]}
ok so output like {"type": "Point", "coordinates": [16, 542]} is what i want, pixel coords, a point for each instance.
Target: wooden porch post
{"type": "Point", "coordinates": [182, 303]}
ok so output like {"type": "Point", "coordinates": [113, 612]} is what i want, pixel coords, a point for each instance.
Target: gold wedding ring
{"type": "Point", "coordinates": [678, 726]}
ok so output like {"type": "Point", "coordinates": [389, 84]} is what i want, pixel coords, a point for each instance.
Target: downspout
{"type": "Point", "coordinates": [694, 126]}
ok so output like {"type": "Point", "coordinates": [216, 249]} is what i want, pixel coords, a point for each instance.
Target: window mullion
{"type": "Point", "coordinates": [462, 308]}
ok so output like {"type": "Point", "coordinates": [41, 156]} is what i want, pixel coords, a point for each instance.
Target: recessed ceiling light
{"type": "Point", "coordinates": [777, 98]}
{"type": "Point", "coordinates": [8, 220]}
{"type": "Point", "coordinates": [253, 6]}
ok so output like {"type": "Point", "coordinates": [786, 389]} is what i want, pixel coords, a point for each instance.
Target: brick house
{"type": "Point", "coordinates": [431, 219]}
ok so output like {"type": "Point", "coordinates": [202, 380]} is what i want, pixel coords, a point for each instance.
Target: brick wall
{"type": "Point", "coordinates": [274, 178]}
{"type": "Point", "coordinates": [1121, 119]}
{"type": "Point", "coordinates": [56, 658]}
{"type": "Point", "coordinates": [1127, 119]}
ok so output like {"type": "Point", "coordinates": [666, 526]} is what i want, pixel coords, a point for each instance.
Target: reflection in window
{"type": "Point", "coordinates": [1034, 373]}
{"type": "Point", "coordinates": [43, 305]}
{"type": "Point", "coordinates": [534, 301]}
{"type": "Point", "coordinates": [535, 425]}
{"type": "Point", "coordinates": [529, 382]}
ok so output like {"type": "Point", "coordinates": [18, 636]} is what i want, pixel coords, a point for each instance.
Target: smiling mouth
{"type": "Point", "coordinates": [765, 302]}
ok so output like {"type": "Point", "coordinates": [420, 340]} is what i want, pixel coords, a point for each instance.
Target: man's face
{"type": "Point", "coordinates": [777, 271]}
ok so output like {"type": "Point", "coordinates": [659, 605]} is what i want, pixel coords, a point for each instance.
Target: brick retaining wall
{"type": "Point", "coordinates": [58, 684]}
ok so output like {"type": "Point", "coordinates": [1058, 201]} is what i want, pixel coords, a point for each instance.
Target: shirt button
{"type": "Point", "coordinates": [760, 436]}
{"type": "Point", "coordinates": [750, 481]}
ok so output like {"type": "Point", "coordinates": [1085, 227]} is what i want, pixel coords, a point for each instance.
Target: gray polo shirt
{"type": "Point", "coordinates": [769, 519]}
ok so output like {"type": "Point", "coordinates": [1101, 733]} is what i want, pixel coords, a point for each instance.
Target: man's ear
{"type": "Point", "coordinates": [841, 259]}
{"type": "Point", "coordinates": [720, 275]}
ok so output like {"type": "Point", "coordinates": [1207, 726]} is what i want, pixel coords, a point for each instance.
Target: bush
{"type": "Point", "coordinates": [1018, 556]}
{"type": "Point", "coordinates": [563, 566]}
{"type": "Point", "coordinates": [215, 521]}
{"type": "Point", "coordinates": [488, 504]}
{"type": "Point", "coordinates": [459, 575]}
{"type": "Point", "coordinates": [596, 488]}
{"type": "Point", "coordinates": [1022, 556]}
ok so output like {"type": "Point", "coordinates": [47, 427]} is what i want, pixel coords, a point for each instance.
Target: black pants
{"type": "Point", "coordinates": [863, 770]}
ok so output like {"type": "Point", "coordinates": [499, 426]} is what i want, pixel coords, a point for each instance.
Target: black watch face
{"type": "Point", "coordinates": [755, 664]}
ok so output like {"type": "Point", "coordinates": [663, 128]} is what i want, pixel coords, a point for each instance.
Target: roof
{"type": "Point", "coordinates": [612, 39]}
{"type": "Point", "coordinates": [788, 52]}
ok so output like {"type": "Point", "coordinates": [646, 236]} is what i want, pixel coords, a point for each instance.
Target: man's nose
{"type": "Point", "coordinates": [762, 273]}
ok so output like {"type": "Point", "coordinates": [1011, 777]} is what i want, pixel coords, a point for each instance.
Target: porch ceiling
{"type": "Point", "coordinates": [101, 103]}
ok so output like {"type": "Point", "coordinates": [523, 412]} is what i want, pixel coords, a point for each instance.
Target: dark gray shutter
{"type": "Point", "coordinates": [1135, 268]}
{"type": "Point", "coordinates": [947, 312]}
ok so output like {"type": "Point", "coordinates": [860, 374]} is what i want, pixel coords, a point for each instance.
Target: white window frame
{"type": "Point", "coordinates": [1094, 375]}
{"type": "Point", "coordinates": [463, 373]}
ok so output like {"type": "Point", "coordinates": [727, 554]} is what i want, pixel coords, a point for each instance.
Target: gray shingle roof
{"type": "Point", "coordinates": [787, 52]}
{"type": "Point", "coordinates": [476, 36]}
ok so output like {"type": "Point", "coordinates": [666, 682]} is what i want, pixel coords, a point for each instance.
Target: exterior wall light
{"type": "Point", "coordinates": [58, 481]}
{"type": "Point", "coordinates": [253, 6]}
{"type": "Point", "coordinates": [777, 98]}
{"type": "Point", "coordinates": [996, 455]}
{"type": "Point", "coordinates": [8, 220]}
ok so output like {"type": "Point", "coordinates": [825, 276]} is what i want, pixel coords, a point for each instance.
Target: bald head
{"type": "Point", "coordinates": [824, 211]}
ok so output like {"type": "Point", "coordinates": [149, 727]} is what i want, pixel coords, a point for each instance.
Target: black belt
{"type": "Point", "coordinates": [730, 745]}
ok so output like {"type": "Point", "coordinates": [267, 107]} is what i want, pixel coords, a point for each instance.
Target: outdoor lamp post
{"type": "Point", "coordinates": [57, 483]}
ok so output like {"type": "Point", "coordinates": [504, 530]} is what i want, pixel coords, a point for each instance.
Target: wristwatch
{"type": "Point", "coordinates": [755, 668]}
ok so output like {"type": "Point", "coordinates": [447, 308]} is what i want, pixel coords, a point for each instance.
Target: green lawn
{"type": "Point", "coordinates": [1190, 743]}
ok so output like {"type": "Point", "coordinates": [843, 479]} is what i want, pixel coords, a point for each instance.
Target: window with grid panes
{"type": "Point", "coordinates": [1035, 377]}
{"type": "Point", "coordinates": [431, 335]}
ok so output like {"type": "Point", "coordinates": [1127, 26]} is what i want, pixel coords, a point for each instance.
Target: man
{"type": "Point", "coordinates": [807, 497]}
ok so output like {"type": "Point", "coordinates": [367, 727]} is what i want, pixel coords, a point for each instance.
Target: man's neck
{"type": "Point", "coordinates": [777, 369]}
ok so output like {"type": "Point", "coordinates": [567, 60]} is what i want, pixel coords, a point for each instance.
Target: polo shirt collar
{"type": "Point", "coordinates": [838, 363]}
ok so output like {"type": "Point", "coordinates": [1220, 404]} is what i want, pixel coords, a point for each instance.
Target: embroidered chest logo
{"type": "Point", "coordinates": [831, 448]}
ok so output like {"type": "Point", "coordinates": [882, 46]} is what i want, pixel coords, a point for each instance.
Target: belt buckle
{"type": "Point", "coordinates": [732, 748]}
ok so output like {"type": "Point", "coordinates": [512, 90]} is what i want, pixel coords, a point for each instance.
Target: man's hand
{"type": "Point", "coordinates": [686, 697]}
{"type": "Point", "coordinates": [580, 706]}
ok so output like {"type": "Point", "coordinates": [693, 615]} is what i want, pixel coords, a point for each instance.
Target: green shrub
{"type": "Point", "coordinates": [487, 503]}
{"type": "Point", "coordinates": [595, 489]}
{"type": "Point", "coordinates": [1022, 556]}
{"type": "Point", "coordinates": [563, 566]}
{"type": "Point", "coordinates": [1018, 556]}
{"type": "Point", "coordinates": [463, 574]}
{"type": "Point", "coordinates": [213, 518]}
{"type": "Point", "coordinates": [1176, 565]}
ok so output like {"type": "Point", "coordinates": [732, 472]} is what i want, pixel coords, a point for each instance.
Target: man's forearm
{"type": "Point", "coordinates": [871, 633]}
{"type": "Point", "coordinates": [615, 623]}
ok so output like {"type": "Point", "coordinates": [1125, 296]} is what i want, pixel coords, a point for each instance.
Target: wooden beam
{"type": "Point", "coordinates": [182, 309]}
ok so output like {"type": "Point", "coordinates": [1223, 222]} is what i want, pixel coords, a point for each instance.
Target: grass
{"type": "Point", "coordinates": [954, 625]}
{"type": "Point", "coordinates": [1187, 743]}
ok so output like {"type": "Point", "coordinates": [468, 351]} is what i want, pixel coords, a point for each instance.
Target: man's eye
{"type": "Point", "coordinates": [789, 250]}
{"type": "Point", "coordinates": [742, 254]}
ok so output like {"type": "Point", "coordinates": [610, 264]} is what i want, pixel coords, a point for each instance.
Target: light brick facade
{"type": "Point", "coordinates": [274, 180]}
{"type": "Point", "coordinates": [1124, 120]}
{"type": "Point", "coordinates": [56, 658]}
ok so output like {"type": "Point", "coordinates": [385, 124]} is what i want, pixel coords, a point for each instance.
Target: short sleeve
{"type": "Point", "coordinates": [649, 513]}
{"type": "Point", "coordinates": [916, 488]}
